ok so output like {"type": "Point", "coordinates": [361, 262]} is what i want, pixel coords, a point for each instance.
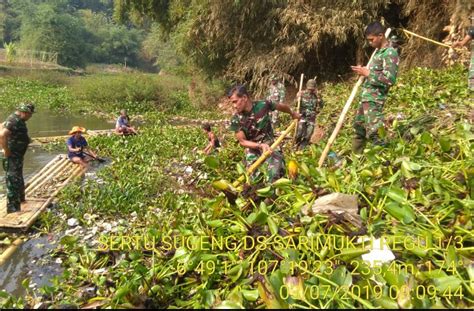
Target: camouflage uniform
{"type": "Point", "coordinates": [369, 118]}
{"type": "Point", "coordinates": [17, 143]}
{"type": "Point", "coordinates": [257, 127]}
{"type": "Point", "coordinates": [276, 93]}
{"type": "Point", "coordinates": [471, 67]}
{"type": "Point", "coordinates": [310, 106]}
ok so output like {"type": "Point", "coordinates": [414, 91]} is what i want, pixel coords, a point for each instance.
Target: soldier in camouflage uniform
{"type": "Point", "coordinates": [15, 140]}
{"type": "Point", "coordinates": [468, 38]}
{"type": "Point", "coordinates": [276, 93]}
{"type": "Point", "coordinates": [310, 106]}
{"type": "Point", "coordinates": [253, 129]}
{"type": "Point", "coordinates": [380, 76]}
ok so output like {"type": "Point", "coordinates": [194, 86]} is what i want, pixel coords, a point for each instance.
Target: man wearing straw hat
{"type": "Point", "coordinates": [77, 147]}
{"type": "Point", "coordinates": [311, 105]}
{"type": "Point", "coordinates": [253, 129]}
{"type": "Point", "coordinates": [380, 76]}
{"type": "Point", "coordinates": [14, 140]}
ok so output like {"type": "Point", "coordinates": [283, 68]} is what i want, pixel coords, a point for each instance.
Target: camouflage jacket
{"type": "Point", "coordinates": [383, 74]}
{"type": "Point", "coordinates": [256, 124]}
{"type": "Point", "coordinates": [311, 104]}
{"type": "Point", "coordinates": [18, 140]}
{"type": "Point", "coordinates": [276, 93]}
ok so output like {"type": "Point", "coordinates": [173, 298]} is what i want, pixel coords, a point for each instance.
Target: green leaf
{"type": "Point", "coordinates": [426, 138]}
{"type": "Point", "coordinates": [68, 240]}
{"type": "Point", "coordinates": [341, 276]}
{"type": "Point", "coordinates": [227, 304]}
{"type": "Point", "coordinates": [250, 295]}
{"type": "Point", "coordinates": [397, 194]}
{"type": "Point", "coordinates": [215, 223]}
{"type": "Point", "coordinates": [121, 292]}
{"type": "Point", "coordinates": [272, 226]}
{"type": "Point", "coordinates": [451, 283]}
{"type": "Point", "coordinates": [212, 162]}
{"type": "Point", "coordinates": [445, 144]}
{"type": "Point", "coordinates": [401, 212]}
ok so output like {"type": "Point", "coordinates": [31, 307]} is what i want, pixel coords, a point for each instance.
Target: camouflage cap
{"type": "Point", "coordinates": [26, 107]}
{"type": "Point", "coordinates": [273, 77]}
{"type": "Point", "coordinates": [311, 84]}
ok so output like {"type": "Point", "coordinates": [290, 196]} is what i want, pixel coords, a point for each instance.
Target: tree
{"type": "Point", "coordinates": [246, 40]}
{"type": "Point", "coordinates": [49, 27]}
{"type": "Point", "coordinates": [111, 43]}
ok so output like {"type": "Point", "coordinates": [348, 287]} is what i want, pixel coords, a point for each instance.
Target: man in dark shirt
{"type": "Point", "coordinates": [14, 140]}
{"type": "Point", "coordinates": [77, 148]}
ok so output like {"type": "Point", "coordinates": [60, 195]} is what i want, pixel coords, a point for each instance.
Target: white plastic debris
{"type": "Point", "coordinates": [379, 253]}
{"type": "Point", "coordinates": [72, 222]}
{"type": "Point", "coordinates": [99, 271]}
{"type": "Point", "coordinates": [107, 227]}
{"type": "Point", "coordinates": [188, 170]}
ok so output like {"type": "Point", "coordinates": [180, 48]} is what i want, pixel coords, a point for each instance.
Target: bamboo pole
{"type": "Point", "coordinates": [46, 173]}
{"type": "Point", "coordinates": [265, 155]}
{"type": "Point", "coordinates": [428, 39]}
{"type": "Point", "coordinates": [50, 176]}
{"type": "Point", "coordinates": [10, 250]}
{"type": "Point", "coordinates": [298, 107]}
{"type": "Point", "coordinates": [345, 109]}
{"type": "Point", "coordinates": [47, 166]}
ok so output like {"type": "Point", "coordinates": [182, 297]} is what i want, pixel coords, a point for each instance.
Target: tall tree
{"type": "Point", "coordinates": [50, 27]}
{"type": "Point", "coordinates": [245, 40]}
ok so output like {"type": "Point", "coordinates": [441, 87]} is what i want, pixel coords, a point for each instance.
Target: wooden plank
{"type": "Point", "coordinates": [18, 220]}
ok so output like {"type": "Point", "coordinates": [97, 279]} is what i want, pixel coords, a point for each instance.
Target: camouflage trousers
{"type": "Point", "coordinates": [367, 123]}
{"type": "Point", "coordinates": [304, 132]}
{"type": "Point", "coordinates": [471, 73]}
{"type": "Point", "coordinates": [273, 168]}
{"type": "Point", "coordinates": [15, 184]}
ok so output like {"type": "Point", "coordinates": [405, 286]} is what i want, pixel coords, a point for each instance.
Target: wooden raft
{"type": "Point", "coordinates": [40, 191]}
{"type": "Point", "coordinates": [48, 139]}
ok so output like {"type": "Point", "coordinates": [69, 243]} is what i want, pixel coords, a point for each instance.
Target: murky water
{"type": "Point", "coordinates": [47, 123]}
{"type": "Point", "coordinates": [30, 260]}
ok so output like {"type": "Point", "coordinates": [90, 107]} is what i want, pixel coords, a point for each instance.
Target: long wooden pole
{"type": "Point", "coordinates": [265, 155]}
{"type": "Point", "coordinates": [427, 39]}
{"type": "Point", "coordinates": [346, 108]}
{"type": "Point", "coordinates": [298, 107]}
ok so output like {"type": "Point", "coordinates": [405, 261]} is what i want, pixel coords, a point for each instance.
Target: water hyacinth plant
{"type": "Point", "coordinates": [173, 241]}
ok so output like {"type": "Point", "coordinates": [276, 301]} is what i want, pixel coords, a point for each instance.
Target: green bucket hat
{"type": "Point", "coordinates": [26, 107]}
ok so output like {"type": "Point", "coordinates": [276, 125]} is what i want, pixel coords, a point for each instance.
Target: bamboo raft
{"type": "Point", "coordinates": [49, 139]}
{"type": "Point", "coordinates": [40, 192]}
